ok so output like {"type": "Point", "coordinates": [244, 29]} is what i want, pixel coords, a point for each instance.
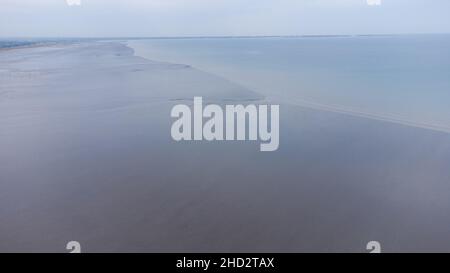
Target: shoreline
{"type": "Point", "coordinates": [298, 102]}
{"type": "Point", "coordinates": [23, 47]}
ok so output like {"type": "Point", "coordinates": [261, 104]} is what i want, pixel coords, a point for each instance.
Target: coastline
{"type": "Point", "coordinates": [2, 49]}
{"type": "Point", "coordinates": [87, 156]}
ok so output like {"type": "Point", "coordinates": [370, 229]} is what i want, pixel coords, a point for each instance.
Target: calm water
{"type": "Point", "coordinates": [400, 78]}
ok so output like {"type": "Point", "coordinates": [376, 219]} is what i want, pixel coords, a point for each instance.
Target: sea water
{"type": "Point", "coordinates": [403, 78]}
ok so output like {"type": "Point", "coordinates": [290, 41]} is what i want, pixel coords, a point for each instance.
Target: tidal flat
{"type": "Point", "coordinates": [86, 155]}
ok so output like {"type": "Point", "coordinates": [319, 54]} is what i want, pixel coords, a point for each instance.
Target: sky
{"type": "Point", "coordinates": [148, 18]}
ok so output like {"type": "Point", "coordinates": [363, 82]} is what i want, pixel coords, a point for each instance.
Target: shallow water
{"type": "Point", "coordinates": [405, 79]}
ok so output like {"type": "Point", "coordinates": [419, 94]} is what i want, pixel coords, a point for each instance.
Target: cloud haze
{"type": "Point", "coordinates": [373, 2]}
{"type": "Point", "coordinates": [103, 18]}
{"type": "Point", "coordinates": [73, 2]}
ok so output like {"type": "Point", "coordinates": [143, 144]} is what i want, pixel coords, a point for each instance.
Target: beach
{"type": "Point", "coordinates": [86, 155]}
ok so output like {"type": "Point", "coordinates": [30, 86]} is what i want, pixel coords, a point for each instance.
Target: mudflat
{"type": "Point", "coordinates": [86, 155]}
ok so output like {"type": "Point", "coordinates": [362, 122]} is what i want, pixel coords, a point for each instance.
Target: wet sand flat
{"type": "Point", "coordinates": [86, 155]}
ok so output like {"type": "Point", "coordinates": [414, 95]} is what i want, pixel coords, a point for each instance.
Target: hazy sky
{"type": "Point", "coordinates": [102, 18]}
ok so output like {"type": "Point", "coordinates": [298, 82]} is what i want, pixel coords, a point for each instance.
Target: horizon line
{"type": "Point", "coordinates": [223, 36]}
